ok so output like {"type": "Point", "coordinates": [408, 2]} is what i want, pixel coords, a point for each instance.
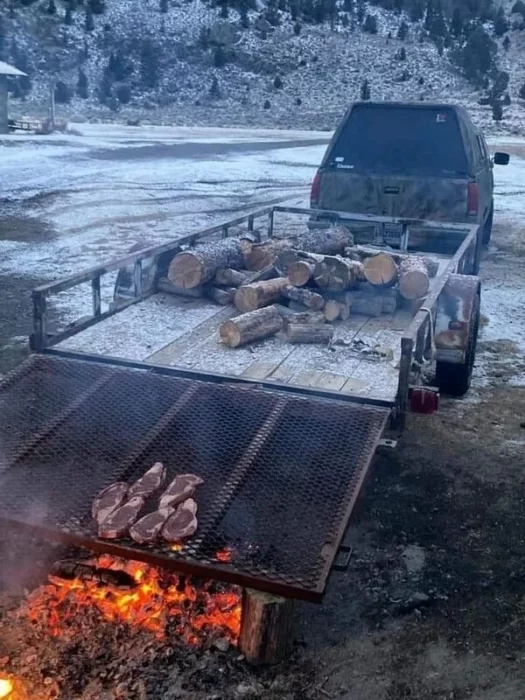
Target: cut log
{"type": "Point", "coordinates": [286, 258]}
{"type": "Point", "coordinates": [71, 569]}
{"type": "Point", "coordinates": [307, 333]}
{"type": "Point", "coordinates": [360, 302]}
{"type": "Point", "coordinates": [300, 272]}
{"type": "Point", "coordinates": [289, 317]}
{"type": "Point", "coordinates": [312, 300]}
{"type": "Point", "coordinates": [328, 241]}
{"type": "Point", "coordinates": [389, 295]}
{"type": "Point", "coordinates": [164, 285]}
{"type": "Point", "coordinates": [258, 294]}
{"type": "Point", "coordinates": [380, 270]}
{"type": "Point", "coordinates": [199, 265]}
{"type": "Point", "coordinates": [332, 310]}
{"type": "Point", "coordinates": [362, 253]}
{"type": "Point", "coordinates": [254, 325]}
{"type": "Point", "coordinates": [337, 274]}
{"type": "Point", "coordinates": [266, 627]}
{"type": "Point", "coordinates": [267, 273]}
{"type": "Point", "coordinates": [413, 278]}
{"type": "Point", "coordinates": [344, 311]}
{"type": "Point", "coordinates": [221, 296]}
{"type": "Point", "coordinates": [227, 277]}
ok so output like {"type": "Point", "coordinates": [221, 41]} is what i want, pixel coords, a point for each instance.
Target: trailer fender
{"type": "Point", "coordinates": [453, 317]}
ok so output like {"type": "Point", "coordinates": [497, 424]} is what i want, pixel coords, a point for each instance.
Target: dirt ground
{"type": "Point", "coordinates": [432, 606]}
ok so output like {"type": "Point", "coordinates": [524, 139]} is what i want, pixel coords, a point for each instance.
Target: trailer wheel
{"type": "Point", "coordinates": [454, 379]}
{"type": "Point", "coordinates": [487, 228]}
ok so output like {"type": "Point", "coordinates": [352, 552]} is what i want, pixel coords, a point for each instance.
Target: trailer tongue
{"type": "Point", "coordinates": [281, 473]}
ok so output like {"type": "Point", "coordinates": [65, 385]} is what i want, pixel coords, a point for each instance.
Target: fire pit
{"type": "Point", "coordinates": [6, 687]}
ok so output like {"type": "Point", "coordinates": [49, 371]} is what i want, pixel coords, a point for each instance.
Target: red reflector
{"type": "Point", "coordinates": [473, 198]}
{"type": "Point", "coordinates": [316, 189]}
{"type": "Point", "coordinates": [424, 400]}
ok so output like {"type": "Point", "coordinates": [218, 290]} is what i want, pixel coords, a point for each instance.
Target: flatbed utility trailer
{"type": "Point", "coordinates": [282, 435]}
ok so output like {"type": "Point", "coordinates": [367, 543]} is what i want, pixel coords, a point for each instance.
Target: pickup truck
{"type": "Point", "coordinates": [282, 435]}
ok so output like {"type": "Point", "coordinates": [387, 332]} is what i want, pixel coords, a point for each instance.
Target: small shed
{"type": "Point", "coordinates": [5, 71]}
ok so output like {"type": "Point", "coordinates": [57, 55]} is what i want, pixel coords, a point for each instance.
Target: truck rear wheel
{"type": "Point", "coordinates": [454, 379]}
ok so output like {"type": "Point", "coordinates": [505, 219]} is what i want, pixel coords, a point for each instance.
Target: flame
{"type": "Point", "coordinates": [224, 555]}
{"type": "Point", "coordinates": [156, 604]}
{"type": "Point", "coordinates": [6, 687]}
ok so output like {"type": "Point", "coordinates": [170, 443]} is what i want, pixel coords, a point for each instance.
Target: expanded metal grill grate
{"type": "Point", "coordinates": [281, 472]}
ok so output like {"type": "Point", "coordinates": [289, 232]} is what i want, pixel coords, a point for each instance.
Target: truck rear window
{"type": "Point", "coordinates": [400, 141]}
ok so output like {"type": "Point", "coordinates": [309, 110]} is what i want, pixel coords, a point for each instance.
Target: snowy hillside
{"type": "Point", "coordinates": [185, 62]}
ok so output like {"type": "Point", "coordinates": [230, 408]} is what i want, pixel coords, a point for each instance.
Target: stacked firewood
{"type": "Point", "coordinates": [315, 278]}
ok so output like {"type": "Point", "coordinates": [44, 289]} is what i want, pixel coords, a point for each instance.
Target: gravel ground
{"type": "Point", "coordinates": [432, 606]}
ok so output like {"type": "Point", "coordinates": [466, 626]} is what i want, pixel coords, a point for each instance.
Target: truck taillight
{"type": "Point", "coordinates": [472, 199]}
{"type": "Point", "coordinates": [316, 189]}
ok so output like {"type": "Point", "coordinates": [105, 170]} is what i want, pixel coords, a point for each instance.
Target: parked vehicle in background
{"type": "Point", "coordinates": [418, 161]}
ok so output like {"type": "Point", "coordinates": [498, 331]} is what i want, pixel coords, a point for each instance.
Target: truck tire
{"type": "Point", "coordinates": [487, 228]}
{"type": "Point", "coordinates": [454, 379]}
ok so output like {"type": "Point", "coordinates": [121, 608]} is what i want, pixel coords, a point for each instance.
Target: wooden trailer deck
{"type": "Point", "coordinates": [363, 360]}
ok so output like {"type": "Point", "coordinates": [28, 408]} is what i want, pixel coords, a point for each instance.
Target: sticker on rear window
{"type": "Point", "coordinates": [440, 118]}
{"type": "Point", "coordinates": [339, 159]}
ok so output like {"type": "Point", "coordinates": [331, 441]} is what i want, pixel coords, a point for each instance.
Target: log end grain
{"type": "Point", "coordinates": [186, 271]}
{"type": "Point", "coordinates": [266, 627]}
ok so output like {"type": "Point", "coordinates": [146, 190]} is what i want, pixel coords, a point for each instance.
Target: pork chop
{"type": "Point", "coordinates": [119, 521]}
{"type": "Point", "coordinates": [181, 488]}
{"type": "Point", "coordinates": [147, 529]}
{"type": "Point", "coordinates": [108, 499]}
{"type": "Point", "coordinates": [183, 523]}
{"type": "Point", "coordinates": [151, 482]}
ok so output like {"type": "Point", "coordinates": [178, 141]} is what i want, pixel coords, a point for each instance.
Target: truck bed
{"type": "Point", "coordinates": [179, 332]}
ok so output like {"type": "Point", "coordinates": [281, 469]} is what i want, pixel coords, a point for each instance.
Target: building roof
{"type": "Point", "coordinates": [6, 69]}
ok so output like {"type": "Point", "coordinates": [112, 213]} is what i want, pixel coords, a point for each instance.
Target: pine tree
{"type": "Point", "coordinates": [456, 24]}
{"type": "Point", "coordinates": [62, 93]}
{"type": "Point", "coordinates": [278, 82]}
{"type": "Point", "coordinates": [518, 8]}
{"type": "Point", "coordinates": [82, 85]}
{"type": "Point", "coordinates": [370, 24]}
{"type": "Point", "coordinates": [220, 58]}
{"type": "Point", "coordinates": [360, 12]}
{"type": "Point", "coordinates": [68, 17]}
{"type": "Point", "coordinates": [124, 94]}
{"type": "Point", "coordinates": [500, 23]}
{"type": "Point", "coordinates": [297, 29]}
{"type": "Point", "coordinates": [521, 92]}
{"type": "Point", "coordinates": [416, 11]}
{"type": "Point", "coordinates": [365, 91]}
{"type": "Point", "coordinates": [90, 23]}
{"type": "Point", "coordinates": [434, 20]}
{"type": "Point", "coordinates": [224, 13]}
{"type": "Point", "coordinates": [97, 6]}
{"type": "Point", "coordinates": [245, 20]}
{"type": "Point", "coordinates": [506, 100]}
{"type": "Point", "coordinates": [477, 56]}
{"type": "Point", "coordinates": [51, 8]}
{"type": "Point", "coordinates": [500, 82]}
{"type": "Point", "coordinates": [402, 32]}
{"type": "Point", "coordinates": [215, 90]}
{"type": "Point", "coordinates": [497, 111]}
{"type": "Point", "coordinates": [402, 55]}
{"type": "Point", "coordinates": [506, 43]}
{"type": "Point", "coordinates": [149, 64]}
{"type": "Point", "coordinates": [3, 40]}
{"type": "Point", "coordinates": [164, 7]}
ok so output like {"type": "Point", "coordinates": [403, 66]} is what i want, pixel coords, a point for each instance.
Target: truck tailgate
{"type": "Point", "coordinates": [394, 195]}
{"type": "Point", "coordinates": [281, 472]}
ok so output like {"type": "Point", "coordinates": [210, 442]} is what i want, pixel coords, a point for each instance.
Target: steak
{"type": "Point", "coordinates": [108, 499]}
{"type": "Point", "coordinates": [181, 488]}
{"type": "Point", "coordinates": [121, 519]}
{"type": "Point", "coordinates": [147, 529]}
{"type": "Point", "coordinates": [151, 482]}
{"type": "Point", "coordinates": [182, 523]}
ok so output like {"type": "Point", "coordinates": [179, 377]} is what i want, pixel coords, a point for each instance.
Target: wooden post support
{"type": "Point", "coordinates": [266, 627]}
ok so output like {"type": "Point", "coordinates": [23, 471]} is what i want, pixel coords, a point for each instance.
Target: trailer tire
{"type": "Point", "coordinates": [487, 228]}
{"type": "Point", "coordinates": [454, 379]}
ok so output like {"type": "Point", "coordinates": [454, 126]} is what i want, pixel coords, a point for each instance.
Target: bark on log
{"type": "Point", "coordinates": [315, 317]}
{"type": "Point", "coordinates": [380, 270]}
{"type": "Point", "coordinates": [388, 295]}
{"type": "Point", "coordinates": [258, 294]}
{"type": "Point", "coordinates": [312, 300]}
{"type": "Point", "coordinates": [413, 278]}
{"type": "Point", "coordinates": [198, 265]}
{"type": "Point", "coordinates": [300, 272]}
{"type": "Point", "coordinates": [164, 285]}
{"type": "Point", "coordinates": [360, 302]}
{"type": "Point", "coordinates": [254, 325]}
{"type": "Point", "coordinates": [267, 273]}
{"type": "Point", "coordinates": [337, 274]}
{"type": "Point", "coordinates": [286, 258]}
{"type": "Point", "coordinates": [306, 333]}
{"type": "Point", "coordinates": [266, 627]}
{"type": "Point", "coordinates": [221, 296]}
{"type": "Point", "coordinates": [328, 241]}
{"type": "Point", "coordinates": [227, 277]}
